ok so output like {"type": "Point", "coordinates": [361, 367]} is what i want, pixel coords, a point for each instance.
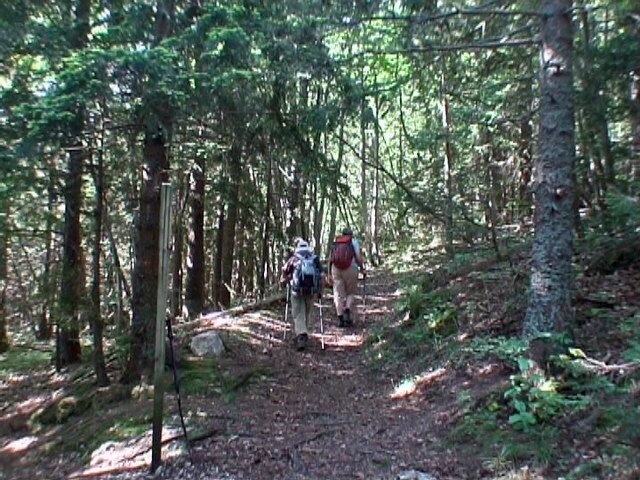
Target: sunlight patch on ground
{"type": "Point", "coordinates": [130, 454]}
{"type": "Point", "coordinates": [20, 445]}
{"type": "Point", "coordinates": [411, 385]}
{"type": "Point", "coordinates": [343, 341]}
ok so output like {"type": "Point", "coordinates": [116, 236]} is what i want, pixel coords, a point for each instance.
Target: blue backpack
{"type": "Point", "coordinates": [306, 275]}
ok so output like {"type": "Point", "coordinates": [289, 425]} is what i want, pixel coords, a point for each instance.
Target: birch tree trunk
{"type": "Point", "coordinates": [551, 289]}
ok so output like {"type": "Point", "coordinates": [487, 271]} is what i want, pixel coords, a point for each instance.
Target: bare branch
{"type": "Point", "coordinates": [489, 45]}
{"type": "Point", "coordinates": [422, 18]}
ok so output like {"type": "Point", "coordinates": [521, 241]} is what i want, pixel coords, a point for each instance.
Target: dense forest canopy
{"type": "Point", "coordinates": [409, 121]}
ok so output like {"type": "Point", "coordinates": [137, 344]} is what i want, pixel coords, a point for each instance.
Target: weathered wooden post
{"type": "Point", "coordinates": [161, 312]}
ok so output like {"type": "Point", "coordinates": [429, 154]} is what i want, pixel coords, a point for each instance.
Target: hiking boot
{"type": "Point", "coordinates": [341, 322]}
{"type": "Point", "coordinates": [301, 341]}
{"type": "Point", "coordinates": [348, 321]}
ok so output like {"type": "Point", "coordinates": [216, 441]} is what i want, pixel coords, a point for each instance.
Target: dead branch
{"type": "Point", "coordinates": [599, 367]}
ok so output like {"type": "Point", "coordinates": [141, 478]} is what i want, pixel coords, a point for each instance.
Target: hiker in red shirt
{"type": "Point", "coordinates": [344, 262]}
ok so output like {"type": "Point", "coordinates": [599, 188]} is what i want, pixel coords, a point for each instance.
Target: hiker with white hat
{"type": "Point", "coordinates": [303, 271]}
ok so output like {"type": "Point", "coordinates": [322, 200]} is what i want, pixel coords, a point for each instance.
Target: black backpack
{"type": "Point", "coordinates": [306, 275]}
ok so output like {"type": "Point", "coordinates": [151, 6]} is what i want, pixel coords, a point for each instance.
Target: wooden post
{"type": "Point", "coordinates": [161, 312]}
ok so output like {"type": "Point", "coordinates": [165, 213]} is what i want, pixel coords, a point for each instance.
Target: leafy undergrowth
{"type": "Point", "coordinates": [577, 418]}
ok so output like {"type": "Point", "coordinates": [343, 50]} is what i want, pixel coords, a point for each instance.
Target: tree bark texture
{"type": "Point", "coordinates": [549, 307]}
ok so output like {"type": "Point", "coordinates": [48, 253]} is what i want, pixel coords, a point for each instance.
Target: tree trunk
{"type": "Point", "coordinates": [263, 273]}
{"type": "Point", "coordinates": [635, 127]}
{"type": "Point", "coordinates": [72, 268]}
{"type": "Point", "coordinates": [364, 212]}
{"type": "Point", "coordinates": [44, 331]}
{"type": "Point", "coordinates": [176, 263]}
{"type": "Point", "coordinates": [231, 219]}
{"type": "Point", "coordinates": [177, 253]}
{"type": "Point", "coordinates": [333, 213]}
{"type": "Point", "coordinates": [72, 286]}
{"type": "Point", "coordinates": [4, 250]}
{"type": "Point", "coordinates": [447, 169]}
{"type": "Point", "coordinates": [525, 158]}
{"type": "Point", "coordinates": [374, 248]}
{"type": "Point", "coordinates": [194, 295]}
{"type": "Point", "coordinates": [217, 258]}
{"type": "Point", "coordinates": [549, 306]}
{"type": "Point", "coordinates": [95, 315]}
{"type": "Point", "coordinates": [593, 148]}
{"type": "Point", "coordinates": [294, 228]}
{"type": "Point", "coordinates": [145, 271]}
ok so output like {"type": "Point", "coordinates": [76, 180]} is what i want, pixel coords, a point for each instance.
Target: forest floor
{"type": "Point", "coordinates": [355, 409]}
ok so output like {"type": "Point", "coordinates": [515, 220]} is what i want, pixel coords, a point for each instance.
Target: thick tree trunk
{"type": "Point", "coordinates": [551, 276]}
{"type": "Point", "coordinates": [194, 295]}
{"type": "Point", "coordinates": [145, 271]}
{"type": "Point", "coordinates": [72, 288]}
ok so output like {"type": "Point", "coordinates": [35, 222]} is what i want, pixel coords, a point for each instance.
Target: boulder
{"type": "Point", "coordinates": [208, 344]}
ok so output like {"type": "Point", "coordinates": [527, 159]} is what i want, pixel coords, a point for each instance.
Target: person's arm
{"type": "Point", "coordinates": [287, 270]}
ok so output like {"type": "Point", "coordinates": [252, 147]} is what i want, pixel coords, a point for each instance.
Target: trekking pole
{"type": "Point", "coordinates": [321, 325]}
{"type": "Point", "coordinates": [286, 314]}
{"type": "Point", "coordinates": [176, 383]}
{"type": "Point", "coordinates": [364, 296]}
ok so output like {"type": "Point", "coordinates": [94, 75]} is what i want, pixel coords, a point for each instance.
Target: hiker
{"type": "Point", "coordinates": [303, 271]}
{"type": "Point", "coordinates": [344, 262]}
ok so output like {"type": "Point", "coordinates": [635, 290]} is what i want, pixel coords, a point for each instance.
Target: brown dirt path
{"type": "Point", "coordinates": [322, 413]}
{"type": "Point", "coordinates": [318, 414]}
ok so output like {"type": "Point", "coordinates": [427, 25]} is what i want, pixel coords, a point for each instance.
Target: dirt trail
{"type": "Point", "coordinates": [322, 413]}
{"type": "Point", "coordinates": [317, 414]}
